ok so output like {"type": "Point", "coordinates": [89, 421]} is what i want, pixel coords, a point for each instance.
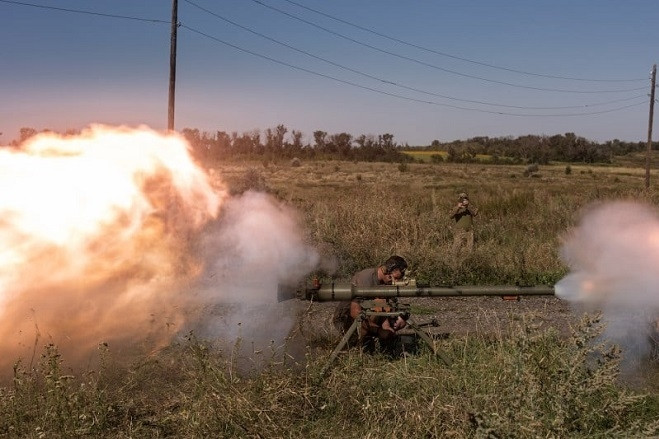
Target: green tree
{"type": "Point", "coordinates": [319, 138]}
{"type": "Point", "coordinates": [341, 144]}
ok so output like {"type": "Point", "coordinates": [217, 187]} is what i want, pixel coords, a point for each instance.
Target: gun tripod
{"type": "Point", "coordinates": [373, 308]}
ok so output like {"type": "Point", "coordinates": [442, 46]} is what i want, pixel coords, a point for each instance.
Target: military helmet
{"type": "Point", "coordinates": [463, 196]}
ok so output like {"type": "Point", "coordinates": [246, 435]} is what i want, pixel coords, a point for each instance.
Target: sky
{"type": "Point", "coordinates": [420, 70]}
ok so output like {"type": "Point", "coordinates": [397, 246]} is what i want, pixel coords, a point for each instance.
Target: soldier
{"type": "Point", "coordinates": [463, 232]}
{"type": "Point", "coordinates": [375, 327]}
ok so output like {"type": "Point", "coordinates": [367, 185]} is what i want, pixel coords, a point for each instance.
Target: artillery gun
{"type": "Point", "coordinates": [371, 298]}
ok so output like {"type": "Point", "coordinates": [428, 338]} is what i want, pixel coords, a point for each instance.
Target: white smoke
{"type": "Point", "coordinates": [256, 245]}
{"type": "Point", "coordinates": [613, 255]}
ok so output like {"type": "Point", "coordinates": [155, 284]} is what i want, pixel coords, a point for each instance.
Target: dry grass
{"type": "Point", "coordinates": [520, 383]}
{"type": "Point", "coordinates": [517, 381]}
{"type": "Point", "coordinates": [362, 212]}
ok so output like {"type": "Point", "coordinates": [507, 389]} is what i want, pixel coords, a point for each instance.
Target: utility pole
{"type": "Point", "coordinates": [172, 66]}
{"type": "Point", "coordinates": [647, 156]}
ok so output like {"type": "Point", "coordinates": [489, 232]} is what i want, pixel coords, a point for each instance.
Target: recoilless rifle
{"type": "Point", "coordinates": [370, 299]}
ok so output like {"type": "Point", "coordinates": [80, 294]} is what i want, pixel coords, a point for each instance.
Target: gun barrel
{"type": "Point", "coordinates": [345, 291]}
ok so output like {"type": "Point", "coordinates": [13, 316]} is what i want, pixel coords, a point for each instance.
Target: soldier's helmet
{"type": "Point", "coordinates": [463, 196]}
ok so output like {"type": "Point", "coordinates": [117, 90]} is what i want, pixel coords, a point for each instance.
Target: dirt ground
{"type": "Point", "coordinates": [459, 316]}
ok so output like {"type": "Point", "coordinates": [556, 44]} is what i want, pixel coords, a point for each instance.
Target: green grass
{"type": "Point", "coordinates": [419, 310]}
{"type": "Point", "coordinates": [426, 156]}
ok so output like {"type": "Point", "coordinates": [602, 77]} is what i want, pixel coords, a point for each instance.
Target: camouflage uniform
{"type": "Point", "coordinates": [463, 232]}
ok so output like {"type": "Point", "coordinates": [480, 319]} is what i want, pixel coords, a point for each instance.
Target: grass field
{"type": "Point", "coordinates": [520, 381]}
{"type": "Point", "coordinates": [366, 211]}
{"type": "Point", "coordinates": [426, 156]}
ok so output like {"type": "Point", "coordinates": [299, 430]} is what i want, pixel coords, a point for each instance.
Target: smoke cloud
{"type": "Point", "coordinates": [116, 236]}
{"type": "Point", "coordinates": [256, 245]}
{"type": "Point", "coordinates": [613, 255]}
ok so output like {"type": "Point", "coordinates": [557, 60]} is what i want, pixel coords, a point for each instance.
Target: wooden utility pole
{"type": "Point", "coordinates": [647, 156]}
{"type": "Point", "coordinates": [172, 66]}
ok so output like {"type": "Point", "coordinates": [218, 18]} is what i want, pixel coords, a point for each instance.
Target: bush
{"type": "Point", "coordinates": [530, 169]}
{"type": "Point", "coordinates": [253, 180]}
{"type": "Point", "coordinates": [436, 158]}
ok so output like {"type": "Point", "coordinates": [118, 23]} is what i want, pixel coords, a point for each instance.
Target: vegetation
{"type": "Point", "coordinates": [276, 143]}
{"type": "Point", "coordinates": [519, 381]}
{"type": "Point", "coordinates": [522, 383]}
{"type": "Point", "coordinates": [360, 213]}
{"type": "Point", "coordinates": [536, 149]}
{"type": "Point", "coordinates": [343, 146]}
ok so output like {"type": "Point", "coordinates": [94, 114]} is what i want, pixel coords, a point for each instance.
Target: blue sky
{"type": "Point", "coordinates": [420, 70]}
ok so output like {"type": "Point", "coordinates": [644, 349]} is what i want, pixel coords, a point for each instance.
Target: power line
{"type": "Point", "coordinates": [390, 82]}
{"type": "Point", "coordinates": [522, 72]}
{"type": "Point", "coordinates": [348, 82]}
{"type": "Point", "coordinates": [394, 94]}
{"type": "Point", "coordinates": [76, 11]}
{"type": "Point", "coordinates": [357, 42]}
{"type": "Point", "coordinates": [435, 66]}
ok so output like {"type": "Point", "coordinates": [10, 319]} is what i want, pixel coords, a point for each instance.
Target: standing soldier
{"type": "Point", "coordinates": [463, 232]}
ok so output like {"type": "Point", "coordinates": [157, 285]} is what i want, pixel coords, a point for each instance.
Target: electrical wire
{"type": "Point", "coordinates": [198, 32]}
{"type": "Point", "coordinates": [76, 11]}
{"type": "Point", "coordinates": [522, 72]}
{"type": "Point", "coordinates": [338, 65]}
{"type": "Point", "coordinates": [390, 82]}
{"type": "Point", "coordinates": [433, 66]}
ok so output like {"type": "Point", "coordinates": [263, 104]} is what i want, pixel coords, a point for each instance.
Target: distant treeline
{"type": "Point", "coordinates": [276, 143]}
{"type": "Point", "coordinates": [566, 147]}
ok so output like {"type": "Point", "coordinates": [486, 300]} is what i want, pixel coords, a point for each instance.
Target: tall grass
{"type": "Point", "coordinates": [515, 381]}
{"type": "Point", "coordinates": [520, 382]}
{"type": "Point", "coordinates": [518, 229]}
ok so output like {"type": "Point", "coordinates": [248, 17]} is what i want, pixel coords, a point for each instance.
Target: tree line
{"type": "Point", "coordinates": [273, 143]}
{"type": "Point", "coordinates": [277, 143]}
{"type": "Point", "coordinates": [566, 147]}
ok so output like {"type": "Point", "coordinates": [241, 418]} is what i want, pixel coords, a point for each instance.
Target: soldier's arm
{"type": "Point", "coordinates": [355, 309]}
{"type": "Point", "coordinates": [458, 210]}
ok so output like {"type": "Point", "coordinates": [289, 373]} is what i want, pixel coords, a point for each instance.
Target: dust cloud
{"type": "Point", "coordinates": [613, 255]}
{"type": "Point", "coordinates": [116, 236]}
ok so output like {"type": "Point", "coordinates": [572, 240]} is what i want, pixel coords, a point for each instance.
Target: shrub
{"type": "Point", "coordinates": [252, 179]}
{"type": "Point", "coordinates": [530, 169]}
